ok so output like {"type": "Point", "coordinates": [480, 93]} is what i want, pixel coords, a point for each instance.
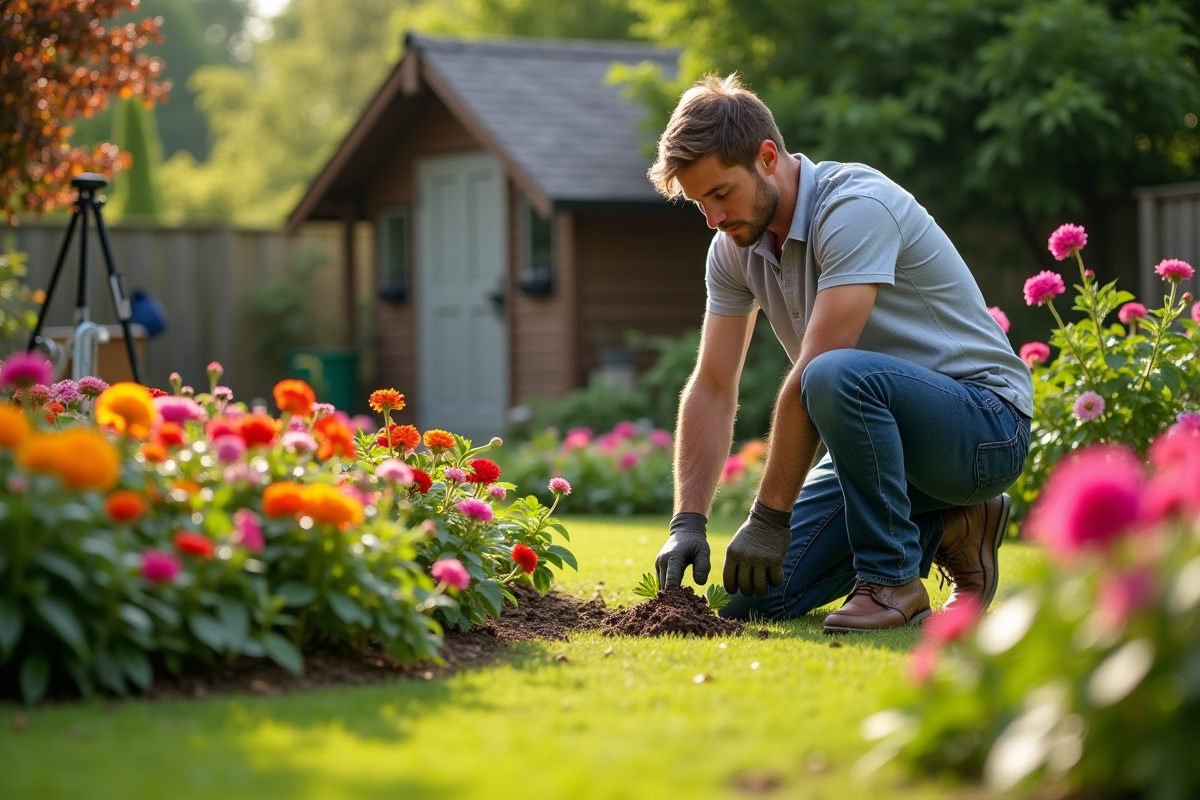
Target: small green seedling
{"type": "Point", "coordinates": [648, 587]}
{"type": "Point", "coordinates": [716, 597]}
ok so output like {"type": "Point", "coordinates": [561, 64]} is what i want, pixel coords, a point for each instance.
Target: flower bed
{"type": "Point", "coordinates": [143, 532]}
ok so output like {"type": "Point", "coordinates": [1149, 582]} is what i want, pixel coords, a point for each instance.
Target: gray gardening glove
{"type": "Point", "coordinates": [686, 546]}
{"type": "Point", "coordinates": [756, 553]}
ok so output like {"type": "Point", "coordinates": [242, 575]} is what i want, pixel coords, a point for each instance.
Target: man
{"type": "Point", "coordinates": [898, 369]}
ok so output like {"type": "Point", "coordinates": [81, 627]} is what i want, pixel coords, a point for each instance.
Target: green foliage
{"type": "Point", "coordinates": [648, 586]}
{"type": "Point", "coordinates": [18, 311]}
{"type": "Point", "coordinates": [136, 194]}
{"type": "Point", "coordinates": [280, 310]}
{"type": "Point", "coordinates": [716, 597]}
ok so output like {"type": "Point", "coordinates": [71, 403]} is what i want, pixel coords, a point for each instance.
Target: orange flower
{"type": "Point", "coordinates": [126, 408]}
{"type": "Point", "coordinates": [41, 452]}
{"type": "Point", "coordinates": [125, 506]}
{"type": "Point", "coordinates": [154, 453]}
{"type": "Point", "coordinates": [438, 440]}
{"type": "Point", "coordinates": [295, 397]}
{"type": "Point", "coordinates": [257, 429]}
{"type": "Point", "coordinates": [87, 460]}
{"type": "Point", "coordinates": [404, 437]}
{"type": "Point", "coordinates": [335, 438]}
{"type": "Point", "coordinates": [385, 400]}
{"type": "Point", "coordinates": [329, 505]}
{"type": "Point", "coordinates": [191, 487]}
{"type": "Point", "coordinates": [169, 434]}
{"type": "Point", "coordinates": [283, 499]}
{"type": "Point", "coordinates": [14, 427]}
{"type": "Point", "coordinates": [754, 450]}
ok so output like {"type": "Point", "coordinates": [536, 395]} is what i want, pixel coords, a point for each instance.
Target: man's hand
{"type": "Point", "coordinates": [686, 546]}
{"type": "Point", "coordinates": [755, 556]}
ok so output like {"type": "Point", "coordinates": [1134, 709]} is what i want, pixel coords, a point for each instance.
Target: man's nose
{"type": "Point", "coordinates": [714, 217]}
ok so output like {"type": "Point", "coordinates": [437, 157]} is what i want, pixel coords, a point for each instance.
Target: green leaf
{"type": "Point", "coordinates": [108, 670]}
{"type": "Point", "coordinates": [347, 610]}
{"type": "Point", "coordinates": [208, 631]}
{"type": "Point", "coordinates": [62, 567]}
{"type": "Point", "coordinates": [566, 555]}
{"type": "Point", "coordinates": [716, 597]}
{"type": "Point", "coordinates": [12, 622]}
{"type": "Point", "coordinates": [136, 618]}
{"type": "Point", "coordinates": [489, 592]}
{"type": "Point", "coordinates": [296, 594]}
{"type": "Point", "coordinates": [135, 665]}
{"type": "Point", "coordinates": [542, 578]}
{"type": "Point", "coordinates": [648, 587]}
{"type": "Point", "coordinates": [235, 619]}
{"type": "Point", "coordinates": [34, 678]}
{"type": "Point", "coordinates": [59, 616]}
{"type": "Point", "coordinates": [283, 652]}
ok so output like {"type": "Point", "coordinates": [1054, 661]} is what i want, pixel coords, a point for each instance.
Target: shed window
{"type": "Point", "coordinates": [538, 272]}
{"type": "Point", "coordinates": [395, 249]}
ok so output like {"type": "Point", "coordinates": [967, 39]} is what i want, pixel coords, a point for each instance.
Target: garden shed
{"type": "Point", "coordinates": [516, 235]}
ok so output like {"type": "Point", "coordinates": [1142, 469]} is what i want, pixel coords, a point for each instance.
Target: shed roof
{"type": "Point", "coordinates": [545, 106]}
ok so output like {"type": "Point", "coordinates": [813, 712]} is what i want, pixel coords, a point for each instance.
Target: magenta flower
{"type": "Point", "coordinates": [1000, 317]}
{"type": "Point", "coordinates": [1034, 353]}
{"type": "Point", "coordinates": [451, 572]}
{"type": "Point", "coordinates": [628, 461]}
{"type": "Point", "coordinates": [91, 387]}
{"type": "Point", "coordinates": [160, 567]}
{"type": "Point", "coordinates": [560, 486]}
{"type": "Point", "coordinates": [457, 475]}
{"type": "Point", "coordinates": [361, 422]}
{"type": "Point", "coordinates": [1043, 287]}
{"type": "Point", "coordinates": [393, 470]}
{"type": "Point", "coordinates": [949, 626]}
{"type": "Point", "coordinates": [1090, 500]}
{"type": "Point", "coordinates": [1122, 594]}
{"type": "Point", "coordinates": [67, 392]}
{"type": "Point", "coordinates": [1189, 419]}
{"type": "Point", "coordinates": [661, 438]}
{"type": "Point", "coordinates": [298, 424]}
{"type": "Point", "coordinates": [1130, 312]}
{"type": "Point", "coordinates": [624, 430]}
{"type": "Point", "coordinates": [1088, 406]}
{"type": "Point", "coordinates": [475, 509]}
{"type": "Point", "coordinates": [735, 465]}
{"type": "Point", "coordinates": [497, 492]}
{"type": "Point", "coordinates": [922, 661]}
{"type": "Point", "coordinates": [25, 369]}
{"type": "Point", "coordinates": [299, 440]}
{"type": "Point", "coordinates": [1065, 241]}
{"type": "Point", "coordinates": [247, 530]}
{"type": "Point", "coordinates": [178, 409]}
{"type": "Point", "coordinates": [229, 448]}
{"type": "Point", "coordinates": [1174, 270]}
{"type": "Point", "coordinates": [1196, 313]}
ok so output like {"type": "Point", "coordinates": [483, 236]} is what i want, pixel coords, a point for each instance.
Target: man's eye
{"type": "Point", "coordinates": [721, 196]}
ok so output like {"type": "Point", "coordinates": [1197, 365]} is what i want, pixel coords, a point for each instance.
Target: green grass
{"type": "Point", "coordinates": [632, 724]}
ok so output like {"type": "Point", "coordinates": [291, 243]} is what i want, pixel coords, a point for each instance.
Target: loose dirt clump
{"type": "Point", "coordinates": [549, 617]}
{"type": "Point", "coordinates": [678, 610]}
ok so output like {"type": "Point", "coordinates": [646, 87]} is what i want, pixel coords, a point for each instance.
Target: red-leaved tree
{"type": "Point", "coordinates": [60, 60]}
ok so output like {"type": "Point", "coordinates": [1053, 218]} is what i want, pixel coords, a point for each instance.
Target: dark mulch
{"type": "Point", "coordinates": [675, 610]}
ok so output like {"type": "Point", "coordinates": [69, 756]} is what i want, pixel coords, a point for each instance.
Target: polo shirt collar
{"type": "Point", "coordinates": [806, 198]}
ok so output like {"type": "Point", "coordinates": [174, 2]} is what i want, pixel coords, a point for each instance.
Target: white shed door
{"type": "Point", "coordinates": [462, 342]}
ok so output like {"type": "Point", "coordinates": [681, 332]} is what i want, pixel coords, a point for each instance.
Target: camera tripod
{"type": "Point", "coordinates": [88, 334]}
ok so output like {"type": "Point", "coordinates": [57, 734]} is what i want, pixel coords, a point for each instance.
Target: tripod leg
{"type": "Point", "coordinates": [120, 301]}
{"type": "Point", "coordinates": [58, 265]}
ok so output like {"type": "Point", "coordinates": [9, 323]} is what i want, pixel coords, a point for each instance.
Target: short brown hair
{"type": "Point", "coordinates": [716, 116]}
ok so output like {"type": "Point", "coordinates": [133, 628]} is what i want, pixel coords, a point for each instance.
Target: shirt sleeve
{"type": "Point", "coordinates": [728, 293]}
{"type": "Point", "coordinates": [856, 240]}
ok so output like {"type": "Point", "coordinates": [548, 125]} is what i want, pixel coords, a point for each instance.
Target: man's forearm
{"type": "Point", "coordinates": [793, 443]}
{"type": "Point", "coordinates": [702, 440]}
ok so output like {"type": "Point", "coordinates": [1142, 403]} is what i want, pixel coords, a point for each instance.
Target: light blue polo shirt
{"type": "Point", "coordinates": [854, 225]}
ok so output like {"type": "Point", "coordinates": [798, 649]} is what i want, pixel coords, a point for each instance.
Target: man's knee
{"type": "Point", "coordinates": [824, 379]}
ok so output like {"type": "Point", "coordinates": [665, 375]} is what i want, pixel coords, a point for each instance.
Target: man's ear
{"type": "Point", "coordinates": [768, 157]}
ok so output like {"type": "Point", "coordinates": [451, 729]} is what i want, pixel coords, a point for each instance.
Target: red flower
{"type": "Point", "coordinates": [157, 392]}
{"type": "Point", "coordinates": [169, 434]}
{"type": "Point", "coordinates": [195, 544]}
{"type": "Point", "coordinates": [422, 480]}
{"type": "Point", "coordinates": [484, 471]}
{"type": "Point", "coordinates": [257, 429]}
{"type": "Point", "coordinates": [124, 506]}
{"type": "Point", "coordinates": [224, 426]}
{"type": "Point", "coordinates": [524, 557]}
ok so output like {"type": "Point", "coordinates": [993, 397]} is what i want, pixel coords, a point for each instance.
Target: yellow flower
{"type": "Point", "coordinates": [14, 426]}
{"type": "Point", "coordinates": [41, 453]}
{"type": "Point", "coordinates": [127, 408]}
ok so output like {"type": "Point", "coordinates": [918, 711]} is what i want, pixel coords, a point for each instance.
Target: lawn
{"type": "Point", "coordinates": [776, 717]}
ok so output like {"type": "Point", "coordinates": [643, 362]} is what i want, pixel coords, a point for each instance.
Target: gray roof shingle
{"type": "Point", "coordinates": [548, 105]}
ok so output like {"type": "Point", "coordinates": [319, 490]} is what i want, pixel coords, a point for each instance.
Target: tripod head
{"type": "Point", "coordinates": [88, 181]}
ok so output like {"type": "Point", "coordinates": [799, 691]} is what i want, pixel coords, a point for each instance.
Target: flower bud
{"type": "Point", "coordinates": [176, 381]}
{"type": "Point", "coordinates": [496, 441]}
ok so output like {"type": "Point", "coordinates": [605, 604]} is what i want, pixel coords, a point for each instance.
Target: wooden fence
{"type": "Point", "coordinates": [202, 276]}
{"type": "Point", "coordinates": [1168, 227]}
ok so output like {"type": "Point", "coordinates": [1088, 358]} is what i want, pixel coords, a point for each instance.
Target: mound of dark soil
{"type": "Point", "coordinates": [675, 610]}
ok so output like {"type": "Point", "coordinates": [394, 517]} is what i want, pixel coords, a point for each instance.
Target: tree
{"type": "Point", "coordinates": [135, 191]}
{"type": "Point", "coordinates": [59, 62]}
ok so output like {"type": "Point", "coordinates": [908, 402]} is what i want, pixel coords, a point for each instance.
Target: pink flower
{"type": "Point", "coordinates": [40, 394]}
{"type": "Point", "coordinates": [214, 366]}
{"type": "Point", "coordinates": [1088, 406]}
{"type": "Point", "coordinates": [1000, 317]}
{"type": "Point", "coordinates": [299, 440]}
{"type": "Point", "coordinates": [624, 430]}
{"type": "Point", "coordinates": [178, 409]}
{"type": "Point", "coordinates": [1122, 594]}
{"type": "Point", "coordinates": [1066, 240]}
{"type": "Point", "coordinates": [1131, 311]}
{"type": "Point", "coordinates": [661, 438]}
{"type": "Point", "coordinates": [160, 567]}
{"type": "Point", "coordinates": [1196, 313]}
{"type": "Point", "coordinates": [91, 386]}
{"type": "Point", "coordinates": [497, 492]}
{"type": "Point", "coordinates": [451, 572]}
{"type": "Point", "coordinates": [1174, 491]}
{"type": "Point", "coordinates": [361, 422]}
{"type": "Point", "coordinates": [922, 661]}
{"type": "Point", "coordinates": [628, 460]}
{"type": "Point", "coordinates": [608, 442]}
{"type": "Point", "coordinates": [733, 469]}
{"type": "Point", "coordinates": [456, 475]}
{"type": "Point", "coordinates": [950, 625]}
{"type": "Point", "coordinates": [222, 393]}
{"type": "Point", "coordinates": [393, 470]}
{"type": "Point", "coordinates": [1090, 500]}
{"type": "Point", "coordinates": [66, 392]}
{"type": "Point", "coordinates": [298, 424]}
{"type": "Point", "coordinates": [25, 369]}
{"type": "Point", "coordinates": [1169, 269]}
{"type": "Point", "coordinates": [577, 437]}
{"type": "Point", "coordinates": [475, 509]}
{"type": "Point", "coordinates": [320, 410]}
{"type": "Point", "coordinates": [247, 530]}
{"type": "Point", "coordinates": [560, 486]}
{"type": "Point", "coordinates": [1189, 419]}
{"type": "Point", "coordinates": [229, 448]}
{"type": "Point", "coordinates": [1034, 353]}
{"type": "Point", "coordinates": [1043, 287]}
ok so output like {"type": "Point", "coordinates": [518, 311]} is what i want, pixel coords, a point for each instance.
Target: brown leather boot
{"type": "Point", "coordinates": [968, 554]}
{"type": "Point", "coordinates": [872, 607]}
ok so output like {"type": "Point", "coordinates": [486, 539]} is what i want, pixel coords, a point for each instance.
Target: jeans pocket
{"type": "Point", "coordinates": [998, 463]}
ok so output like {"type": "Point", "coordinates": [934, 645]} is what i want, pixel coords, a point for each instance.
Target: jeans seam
{"type": "Point", "coordinates": [891, 530]}
{"type": "Point", "coordinates": [821, 527]}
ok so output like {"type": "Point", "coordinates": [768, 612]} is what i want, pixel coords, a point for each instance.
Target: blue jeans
{"type": "Point", "coordinates": [904, 443]}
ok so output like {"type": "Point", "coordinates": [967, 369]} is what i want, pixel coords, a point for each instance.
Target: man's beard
{"type": "Point", "coordinates": [766, 203]}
